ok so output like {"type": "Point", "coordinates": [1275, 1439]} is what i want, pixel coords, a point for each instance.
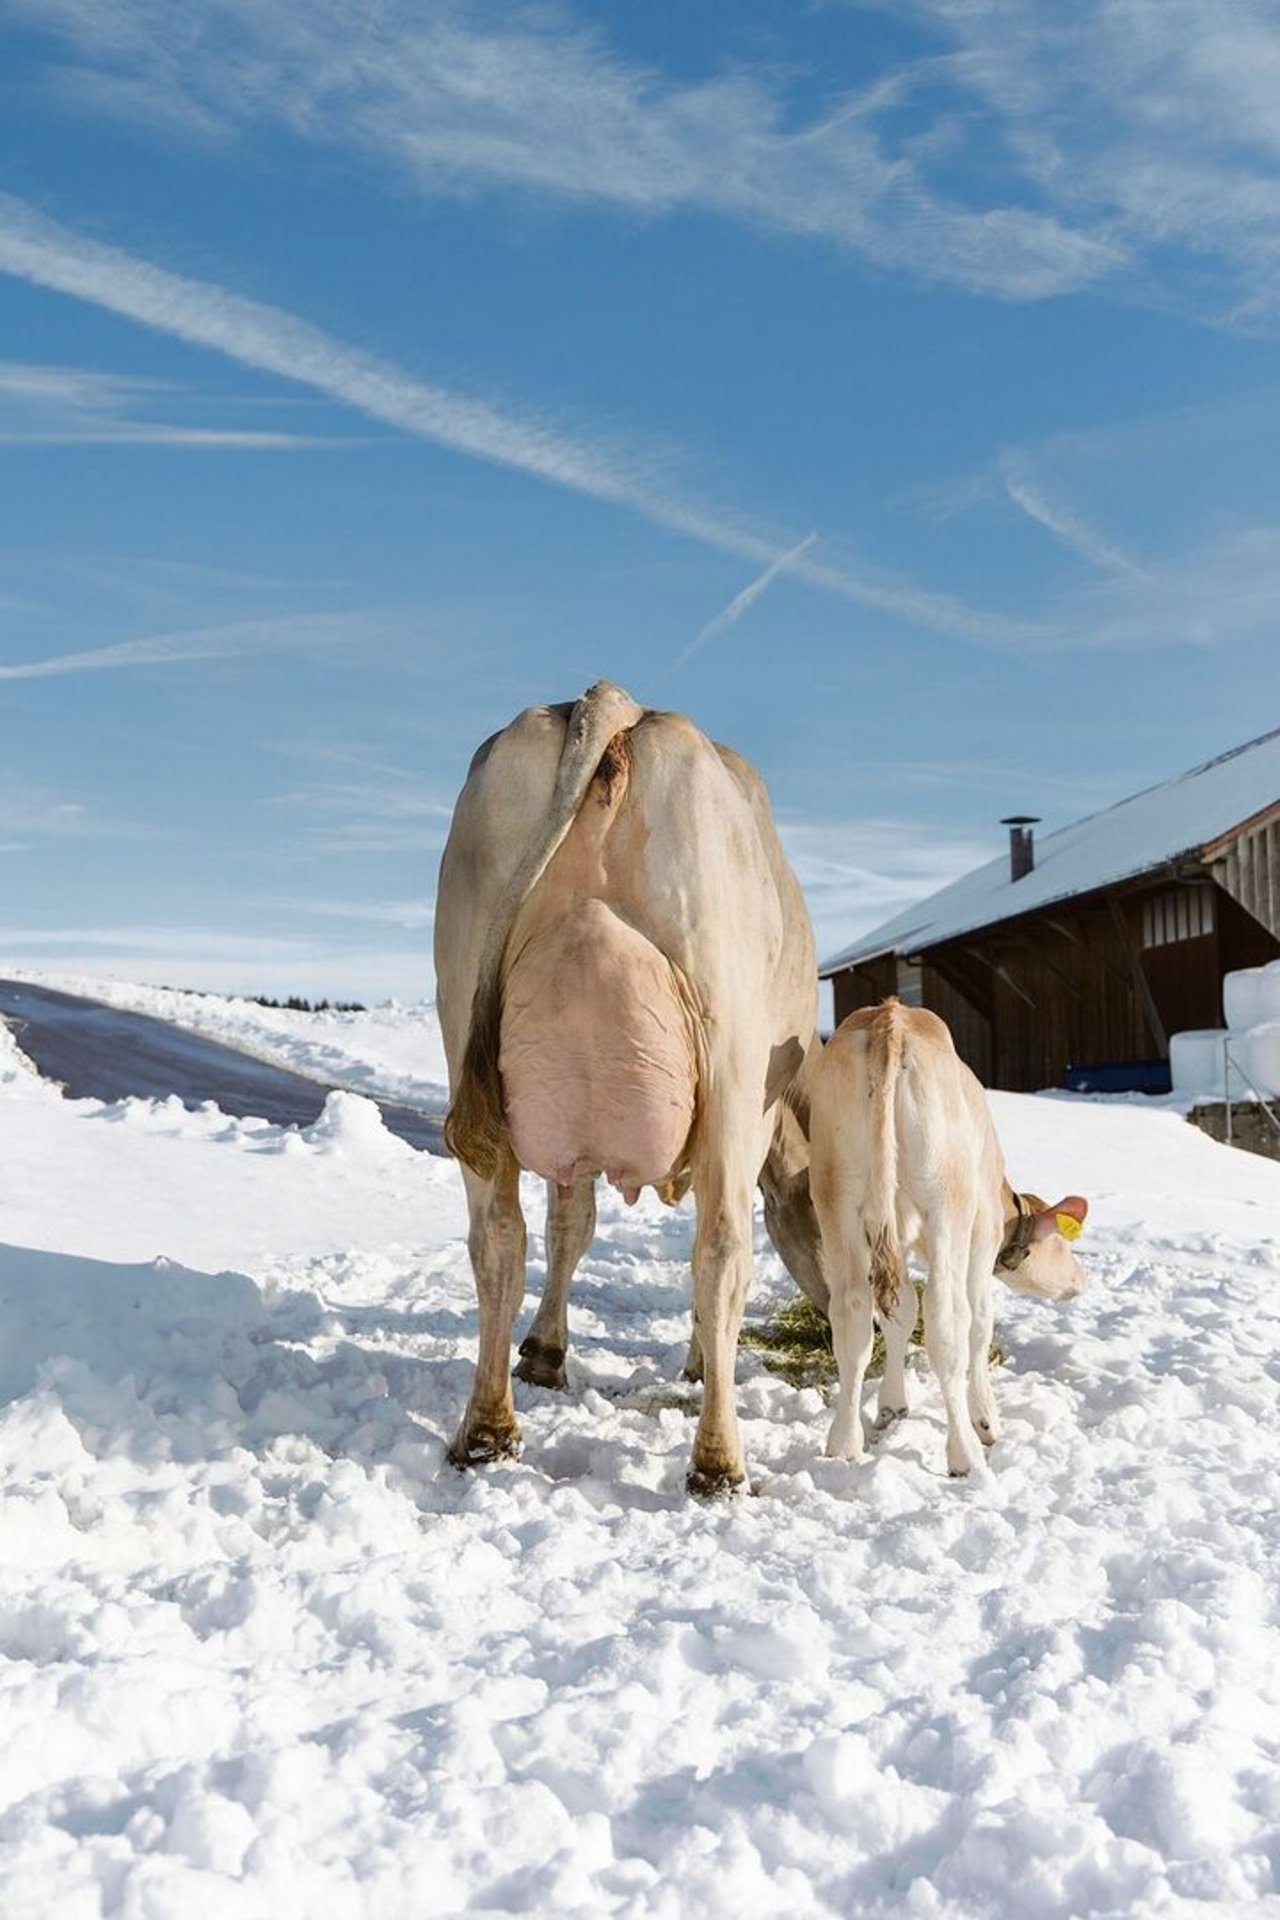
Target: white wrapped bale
{"type": "Point", "coordinates": [1240, 997]}
{"type": "Point", "coordinates": [1258, 1052]}
{"type": "Point", "coordinates": [1268, 994]}
{"type": "Point", "coordinates": [1196, 1062]}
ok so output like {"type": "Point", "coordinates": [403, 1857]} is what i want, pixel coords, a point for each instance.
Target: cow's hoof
{"type": "Point", "coordinates": [986, 1432]}
{"type": "Point", "coordinates": [888, 1417]}
{"type": "Point", "coordinates": [481, 1446]}
{"type": "Point", "coordinates": [716, 1483]}
{"type": "Point", "coordinates": [541, 1365]}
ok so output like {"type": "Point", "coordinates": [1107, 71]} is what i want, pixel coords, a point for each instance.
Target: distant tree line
{"type": "Point", "coordinates": [296, 1004]}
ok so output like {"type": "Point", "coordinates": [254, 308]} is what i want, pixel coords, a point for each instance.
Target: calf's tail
{"type": "Point", "coordinates": [880, 1212]}
{"type": "Point", "coordinates": [475, 1128]}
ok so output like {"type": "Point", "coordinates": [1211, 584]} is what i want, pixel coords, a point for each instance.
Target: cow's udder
{"type": "Point", "coordinates": [597, 1059]}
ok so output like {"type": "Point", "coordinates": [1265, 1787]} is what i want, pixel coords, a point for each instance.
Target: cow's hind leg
{"type": "Point", "coordinates": [947, 1321]}
{"type": "Point", "coordinates": [489, 1430]}
{"type": "Point", "coordinates": [571, 1222]}
{"type": "Point", "coordinates": [722, 1265]}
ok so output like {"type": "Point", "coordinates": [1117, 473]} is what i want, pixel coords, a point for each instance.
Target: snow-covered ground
{"type": "Point", "coordinates": [264, 1653]}
{"type": "Point", "coordinates": [392, 1051]}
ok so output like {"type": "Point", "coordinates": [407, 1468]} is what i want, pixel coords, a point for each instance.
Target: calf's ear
{"type": "Point", "coordinates": [1067, 1218]}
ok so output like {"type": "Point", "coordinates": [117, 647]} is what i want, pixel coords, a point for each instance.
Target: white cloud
{"type": "Point", "coordinates": [460, 97]}
{"type": "Point", "coordinates": [1035, 149]}
{"type": "Point", "coordinates": [41, 814]}
{"type": "Point", "coordinates": [414, 916]}
{"type": "Point", "coordinates": [1220, 592]}
{"type": "Point", "coordinates": [392, 813]}
{"type": "Point", "coordinates": [1153, 125]}
{"type": "Point", "coordinates": [857, 873]}
{"type": "Point", "coordinates": [254, 334]}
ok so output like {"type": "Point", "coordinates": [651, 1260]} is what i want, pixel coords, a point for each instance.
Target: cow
{"type": "Point", "coordinates": [905, 1157]}
{"type": "Point", "coordinates": [627, 986]}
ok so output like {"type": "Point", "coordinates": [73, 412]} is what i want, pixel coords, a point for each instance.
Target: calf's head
{"type": "Point", "coordinates": [1036, 1257]}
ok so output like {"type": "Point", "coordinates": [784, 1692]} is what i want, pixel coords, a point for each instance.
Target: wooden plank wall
{"type": "Point", "coordinates": [864, 986]}
{"type": "Point", "coordinates": [1055, 989]}
{"type": "Point", "coordinates": [1249, 870]}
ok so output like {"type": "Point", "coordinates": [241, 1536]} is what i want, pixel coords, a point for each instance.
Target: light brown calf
{"type": "Point", "coordinates": [905, 1158]}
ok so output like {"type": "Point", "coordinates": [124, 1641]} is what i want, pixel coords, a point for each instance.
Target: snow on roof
{"type": "Point", "coordinates": [1149, 830]}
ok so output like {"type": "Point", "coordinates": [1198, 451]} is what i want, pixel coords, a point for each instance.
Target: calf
{"type": "Point", "coordinates": [905, 1157]}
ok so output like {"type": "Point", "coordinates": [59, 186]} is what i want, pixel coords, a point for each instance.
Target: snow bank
{"type": "Point", "coordinates": [263, 1653]}
{"type": "Point", "coordinates": [395, 1052]}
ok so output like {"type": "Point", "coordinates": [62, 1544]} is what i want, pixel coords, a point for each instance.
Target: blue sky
{"type": "Point", "coordinates": [892, 387]}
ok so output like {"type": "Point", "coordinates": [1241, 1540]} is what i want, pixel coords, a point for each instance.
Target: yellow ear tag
{"type": "Point", "coordinates": [1068, 1226]}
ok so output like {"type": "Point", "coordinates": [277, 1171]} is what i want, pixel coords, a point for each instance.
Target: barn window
{"type": "Point", "coordinates": [1184, 913]}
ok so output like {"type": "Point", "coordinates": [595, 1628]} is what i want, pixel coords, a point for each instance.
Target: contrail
{"type": "Point", "coordinates": [1064, 524]}
{"type": "Point", "coordinates": [199, 643]}
{"type": "Point", "coordinates": [40, 250]}
{"type": "Point", "coordinates": [726, 617]}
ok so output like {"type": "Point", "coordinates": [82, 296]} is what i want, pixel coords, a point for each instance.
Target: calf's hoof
{"type": "Point", "coordinates": [987, 1432]}
{"type": "Point", "coordinates": [713, 1483]}
{"type": "Point", "coordinates": [889, 1417]}
{"type": "Point", "coordinates": [541, 1365]}
{"type": "Point", "coordinates": [962, 1469]}
{"type": "Point", "coordinates": [844, 1441]}
{"type": "Point", "coordinates": [480, 1446]}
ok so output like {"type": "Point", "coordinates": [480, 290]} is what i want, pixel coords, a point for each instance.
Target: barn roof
{"type": "Point", "coordinates": [1179, 818]}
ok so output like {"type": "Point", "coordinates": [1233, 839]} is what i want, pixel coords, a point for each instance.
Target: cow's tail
{"type": "Point", "coordinates": [475, 1127]}
{"type": "Point", "coordinates": [880, 1210]}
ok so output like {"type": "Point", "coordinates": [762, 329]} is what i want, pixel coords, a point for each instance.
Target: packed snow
{"type": "Point", "coordinates": [263, 1652]}
{"type": "Point", "coordinates": [393, 1052]}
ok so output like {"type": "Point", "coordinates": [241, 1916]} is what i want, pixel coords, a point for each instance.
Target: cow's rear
{"type": "Point", "coordinates": [626, 984]}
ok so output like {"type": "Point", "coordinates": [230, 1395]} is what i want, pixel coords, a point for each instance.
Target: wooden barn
{"type": "Point", "coordinates": [1070, 961]}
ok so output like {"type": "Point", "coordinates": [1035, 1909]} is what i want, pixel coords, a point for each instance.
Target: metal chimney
{"type": "Point", "coordinates": [1022, 851]}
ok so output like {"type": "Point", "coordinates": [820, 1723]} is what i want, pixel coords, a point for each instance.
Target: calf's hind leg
{"type": "Point", "coordinates": [982, 1403]}
{"type": "Point", "coordinates": [846, 1262]}
{"type": "Point", "coordinates": [897, 1330]}
{"type": "Point", "coordinates": [947, 1323]}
